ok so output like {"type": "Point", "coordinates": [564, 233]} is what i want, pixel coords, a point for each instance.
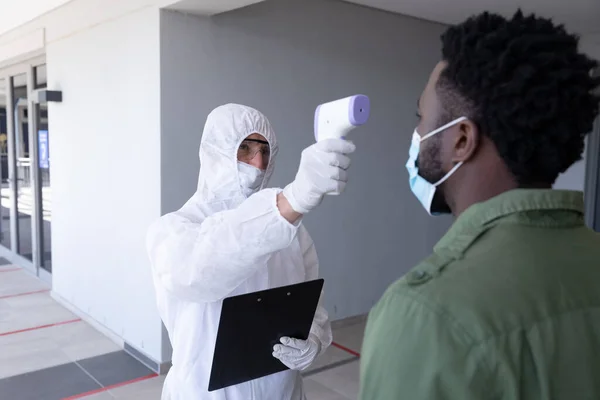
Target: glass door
{"type": "Point", "coordinates": [25, 206]}
{"type": "Point", "coordinates": [41, 173]}
{"type": "Point", "coordinates": [23, 178]}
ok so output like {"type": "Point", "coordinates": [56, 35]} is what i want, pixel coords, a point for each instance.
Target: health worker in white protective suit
{"type": "Point", "coordinates": [234, 236]}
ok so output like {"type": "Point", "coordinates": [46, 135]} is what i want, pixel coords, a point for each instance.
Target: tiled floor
{"type": "Point", "coordinates": [48, 353]}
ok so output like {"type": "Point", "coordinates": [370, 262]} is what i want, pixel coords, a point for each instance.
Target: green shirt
{"type": "Point", "coordinates": [507, 307]}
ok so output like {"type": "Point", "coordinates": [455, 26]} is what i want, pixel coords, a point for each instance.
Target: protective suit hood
{"type": "Point", "coordinates": [225, 129]}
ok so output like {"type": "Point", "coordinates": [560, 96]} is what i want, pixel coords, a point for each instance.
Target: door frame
{"type": "Point", "coordinates": [37, 185]}
{"type": "Point", "coordinates": [592, 173]}
{"type": "Point", "coordinates": [592, 179]}
{"type": "Point", "coordinates": [8, 73]}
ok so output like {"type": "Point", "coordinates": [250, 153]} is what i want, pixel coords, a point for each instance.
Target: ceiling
{"type": "Point", "coordinates": [209, 7]}
{"type": "Point", "coordinates": [581, 16]}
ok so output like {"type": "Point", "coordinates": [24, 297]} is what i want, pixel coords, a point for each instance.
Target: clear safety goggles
{"type": "Point", "coordinates": [249, 148]}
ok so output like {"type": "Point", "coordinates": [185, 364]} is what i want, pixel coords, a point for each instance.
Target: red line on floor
{"type": "Point", "coordinates": [24, 294]}
{"type": "Point", "coordinates": [40, 327]}
{"type": "Point", "coordinates": [107, 388]}
{"type": "Point", "coordinates": [10, 269]}
{"type": "Point", "coordinates": [347, 350]}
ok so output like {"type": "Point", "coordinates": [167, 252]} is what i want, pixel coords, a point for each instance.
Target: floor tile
{"type": "Point", "coordinates": [316, 391]}
{"type": "Point", "coordinates": [148, 389]}
{"type": "Point", "coordinates": [48, 314]}
{"type": "Point", "coordinates": [30, 300]}
{"type": "Point", "coordinates": [343, 380]}
{"type": "Point", "coordinates": [48, 384]}
{"type": "Point", "coordinates": [16, 282]}
{"type": "Point", "coordinates": [99, 396]}
{"type": "Point", "coordinates": [5, 311]}
{"type": "Point", "coordinates": [328, 367]}
{"type": "Point", "coordinates": [113, 368]}
{"type": "Point", "coordinates": [29, 351]}
{"type": "Point", "coordinates": [15, 319]}
{"type": "Point", "coordinates": [331, 356]}
{"type": "Point", "coordinates": [80, 340]}
{"type": "Point", "coordinates": [35, 360]}
{"type": "Point", "coordinates": [50, 347]}
{"type": "Point", "coordinates": [24, 344]}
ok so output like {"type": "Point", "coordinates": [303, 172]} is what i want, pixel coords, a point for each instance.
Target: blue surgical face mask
{"type": "Point", "coordinates": [421, 188]}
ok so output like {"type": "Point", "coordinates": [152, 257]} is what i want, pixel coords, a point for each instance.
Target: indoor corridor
{"type": "Point", "coordinates": [48, 353]}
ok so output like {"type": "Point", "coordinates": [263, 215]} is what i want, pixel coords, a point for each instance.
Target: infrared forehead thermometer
{"type": "Point", "coordinates": [334, 120]}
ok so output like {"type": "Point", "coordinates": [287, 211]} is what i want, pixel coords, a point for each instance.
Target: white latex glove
{"type": "Point", "coordinates": [322, 171]}
{"type": "Point", "coordinates": [297, 354]}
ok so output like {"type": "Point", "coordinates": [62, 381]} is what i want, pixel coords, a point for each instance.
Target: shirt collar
{"type": "Point", "coordinates": [477, 218]}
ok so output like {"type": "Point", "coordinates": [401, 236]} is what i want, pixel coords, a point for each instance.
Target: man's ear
{"type": "Point", "coordinates": [466, 141]}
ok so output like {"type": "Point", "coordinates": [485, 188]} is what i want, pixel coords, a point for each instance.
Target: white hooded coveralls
{"type": "Point", "coordinates": [221, 244]}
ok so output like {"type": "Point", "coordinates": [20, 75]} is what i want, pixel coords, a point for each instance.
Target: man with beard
{"type": "Point", "coordinates": [508, 304]}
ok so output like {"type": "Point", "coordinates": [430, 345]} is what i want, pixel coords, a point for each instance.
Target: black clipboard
{"type": "Point", "coordinates": [251, 324]}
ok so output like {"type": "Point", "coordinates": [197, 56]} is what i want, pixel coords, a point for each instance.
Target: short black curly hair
{"type": "Point", "coordinates": [526, 86]}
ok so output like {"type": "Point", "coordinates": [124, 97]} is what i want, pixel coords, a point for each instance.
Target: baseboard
{"type": "Point", "coordinates": [343, 323]}
{"type": "Point", "coordinates": [159, 368]}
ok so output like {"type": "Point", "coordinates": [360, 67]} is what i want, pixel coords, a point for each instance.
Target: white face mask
{"type": "Point", "coordinates": [421, 188]}
{"type": "Point", "coordinates": [250, 178]}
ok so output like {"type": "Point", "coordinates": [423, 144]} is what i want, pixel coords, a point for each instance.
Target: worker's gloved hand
{"type": "Point", "coordinates": [297, 354]}
{"type": "Point", "coordinates": [322, 171]}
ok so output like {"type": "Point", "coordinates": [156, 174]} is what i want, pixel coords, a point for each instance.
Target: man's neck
{"type": "Point", "coordinates": [486, 177]}
{"type": "Point", "coordinates": [489, 189]}
{"type": "Point", "coordinates": [480, 190]}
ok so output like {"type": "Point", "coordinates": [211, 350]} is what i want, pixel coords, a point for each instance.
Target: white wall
{"type": "Point", "coordinates": [286, 57]}
{"type": "Point", "coordinates": [105, 171]}
{"type": "Point", "coordinates": [14, 13]}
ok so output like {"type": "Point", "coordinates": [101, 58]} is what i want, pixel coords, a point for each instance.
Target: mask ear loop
{"type": "Point", "coordinates": [438, 130]}
{"type": "Point", "coordinates": [442, 128]}
{"type": "Point", "coordinates": [448, 175]}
